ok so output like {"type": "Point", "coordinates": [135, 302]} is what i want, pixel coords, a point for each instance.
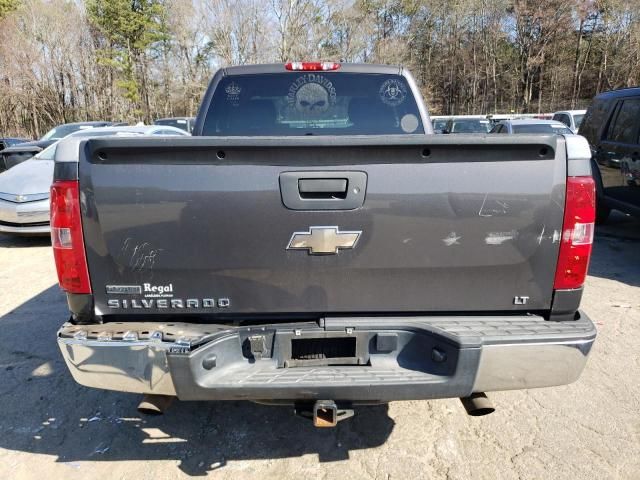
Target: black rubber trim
{"type": "Point", "coordinates": [65, 171]}
{"type": "Point", "coordinates": [565, 303]}
{"type": "Point", "coordinates": [330, 150]}
{"type": "Point", "coordinates": [81, 307]}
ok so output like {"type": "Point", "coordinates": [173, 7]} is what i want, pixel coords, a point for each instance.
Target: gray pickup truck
{"type": "Point", "coordinates": [314, 244]}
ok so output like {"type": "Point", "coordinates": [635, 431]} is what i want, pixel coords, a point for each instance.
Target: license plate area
{"type": "Point", "coordinates": [321, 349]}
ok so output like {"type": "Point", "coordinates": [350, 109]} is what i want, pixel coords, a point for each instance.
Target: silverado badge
{"type": "Point", "coordinates": [323, 240]}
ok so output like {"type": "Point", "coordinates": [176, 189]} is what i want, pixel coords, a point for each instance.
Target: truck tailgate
{"type": "Point", "coordinates": [225, 226]}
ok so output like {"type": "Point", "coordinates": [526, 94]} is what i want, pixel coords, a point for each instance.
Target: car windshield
{"type": "Point", "coordinates": [578, 119]}
{"type": "Point", "coordinates": [470, 126]}
{"type": "Point", "coordinates": [312, 103]}
{"type": "Point", "coordinates": [62, 131]}
{"type": "Point", "coordinates": [541, 128]}
{"type": "Point", "coordinates": [48, 153]}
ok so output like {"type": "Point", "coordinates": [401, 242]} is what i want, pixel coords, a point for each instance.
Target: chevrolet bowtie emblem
{"type": "Point", "coordinates": [323, 240]}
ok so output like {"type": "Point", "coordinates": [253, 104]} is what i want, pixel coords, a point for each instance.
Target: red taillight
{"type": "Point", "coordinates": [312, 66]}
{"type": "Point", "coordinates": [66, 237]}
{"type": "Point", "coordinates": [577, 233]}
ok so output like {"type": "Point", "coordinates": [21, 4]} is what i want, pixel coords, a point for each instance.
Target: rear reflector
{"type": "Point", "coordinates": [577, 233]}
{"type": "Point", "coordinates": [66, 237]}
{"type": "Point", "coordinates": [312, 66]}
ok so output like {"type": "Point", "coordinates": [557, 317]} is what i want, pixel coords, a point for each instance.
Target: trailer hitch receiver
{"type": "Point", "coordinates": [324, 413]}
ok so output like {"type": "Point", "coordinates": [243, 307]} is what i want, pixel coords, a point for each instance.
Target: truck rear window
{"type": "Point", "coordinates": [312, 103]}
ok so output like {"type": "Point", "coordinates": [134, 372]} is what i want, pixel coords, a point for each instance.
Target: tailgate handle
{"type": "Point", "coordinates": [322, 190]}
{"type": "Point", "coordinates": [322, 187]}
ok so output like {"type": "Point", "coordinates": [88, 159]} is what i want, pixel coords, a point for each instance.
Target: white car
{"type": "Point", "coordinates": [571, 118]}
{"type": "Point", "coordinates": [531, 125]}
{"type": "Point", "coordinates": [24, 189]}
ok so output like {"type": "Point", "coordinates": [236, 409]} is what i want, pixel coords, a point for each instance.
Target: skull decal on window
{"type": "Point", "coordinates": [311, 95]}
{"type": "Point", "coordinates": [312, 98]}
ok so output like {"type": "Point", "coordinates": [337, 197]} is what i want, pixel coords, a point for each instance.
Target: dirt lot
{"type": "Point", "coordinates": [52, 428]}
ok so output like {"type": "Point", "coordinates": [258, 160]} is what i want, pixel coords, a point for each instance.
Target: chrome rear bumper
{"type": "Point", "coordinates": [212, 362]}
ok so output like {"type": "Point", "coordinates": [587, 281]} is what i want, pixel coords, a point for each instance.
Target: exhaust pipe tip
{"type": "Point", "coordinates": [154, 404]}
{"type": "Point", "coordinates": [478, 404]}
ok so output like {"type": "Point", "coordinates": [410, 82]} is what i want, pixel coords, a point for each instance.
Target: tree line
{"type": "Point", "coordinates": [137, 60]}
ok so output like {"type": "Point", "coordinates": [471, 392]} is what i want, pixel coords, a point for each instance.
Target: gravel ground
{"type": "Point", "coordinates": [52, 428]}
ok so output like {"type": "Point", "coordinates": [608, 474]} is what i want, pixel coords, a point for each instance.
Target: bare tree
{"type": "Point", "coordinates": [469, 56]}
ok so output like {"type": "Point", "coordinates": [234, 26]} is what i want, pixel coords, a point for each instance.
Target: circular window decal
{"type": "Point", "coordinates": [393, 92]}
{"type": "Point", "coordinates": [409, 123]}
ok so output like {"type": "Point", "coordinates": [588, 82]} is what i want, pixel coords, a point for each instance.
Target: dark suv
{"type": "Point", "coordinates": [612, 127]}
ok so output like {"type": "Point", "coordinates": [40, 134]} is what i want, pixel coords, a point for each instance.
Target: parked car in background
{"type": "Point", "coordinates": [467, 125]}
{"type": "Point", "coordinates": [185, 123]}
{"type": "Point", "coordinates": [531, 125]}
{"type": "Point", "coordinates": [494, 118]}
{"type": "Point", "coordinates": [24, 195]}
{"type": "Point", "coordinates": [571, 118]}
{"type": "Point", "coordinates": [612, 127]}
{"type": "Point", "coordinates": [11, 156]}
{"type": "Point", "coordinates": [10, 141]}
{"type": "Point", "coordinates": [24, 190]}
{"type": "Point", "coordinates": [439, 123]}
{"type": "Point", "coordinates": [65, 129]}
